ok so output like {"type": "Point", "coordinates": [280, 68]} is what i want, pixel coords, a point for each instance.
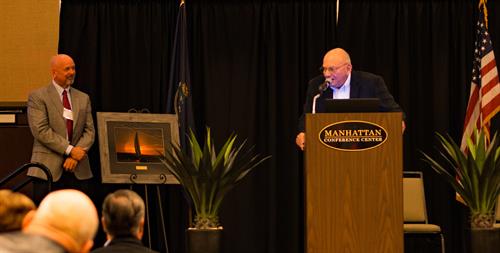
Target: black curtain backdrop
{"type": "Point", "coordinates": [250, 63]}
{"type": "Point", "coordinates": [122, 49]}
{"type": "Point", "coordinates": [423, 50]}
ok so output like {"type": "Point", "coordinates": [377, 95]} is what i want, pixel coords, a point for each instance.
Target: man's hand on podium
{"type": "Point", "coordinates": [300, 140]}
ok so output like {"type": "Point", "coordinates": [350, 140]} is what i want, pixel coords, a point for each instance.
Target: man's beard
{"type": "Point", "coordinates": [70, 81]}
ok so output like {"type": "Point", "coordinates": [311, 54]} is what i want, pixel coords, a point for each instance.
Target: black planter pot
{"type": "Point", "coordinates": [485, 241]}
{"type": "Point", "coordinates": [203, 240]}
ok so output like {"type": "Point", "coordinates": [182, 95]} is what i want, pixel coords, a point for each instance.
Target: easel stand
{"type": "Point", "coordinates": [160, 207]}
{"type": "Point", "coordinates": [137, 168]}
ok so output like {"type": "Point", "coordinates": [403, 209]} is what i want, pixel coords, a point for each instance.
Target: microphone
{"type": "Point", "coordinates": [323, 86]}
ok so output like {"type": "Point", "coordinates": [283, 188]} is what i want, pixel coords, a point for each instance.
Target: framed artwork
{"type": "Point", "coordinates": [131, 145]}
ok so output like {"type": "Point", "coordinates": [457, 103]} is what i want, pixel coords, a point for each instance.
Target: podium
{"type": "Point", "coordinates": [353, 177]}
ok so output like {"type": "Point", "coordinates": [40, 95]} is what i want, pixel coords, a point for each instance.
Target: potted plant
{"type": "Point", "coordinates": [475, 176]}
{"type": "Point", "coordinates": [207, 176]}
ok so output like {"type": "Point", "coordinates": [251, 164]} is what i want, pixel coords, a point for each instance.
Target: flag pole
{"type": "Point", "coordinates": [482, 3]}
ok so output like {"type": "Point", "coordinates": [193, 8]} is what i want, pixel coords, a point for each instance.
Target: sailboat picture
{"type": "Point", "coordinates": [143, 145]}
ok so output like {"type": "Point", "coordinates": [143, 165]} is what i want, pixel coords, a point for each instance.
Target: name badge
{"type": "Point", "coordinates": [68, 114]}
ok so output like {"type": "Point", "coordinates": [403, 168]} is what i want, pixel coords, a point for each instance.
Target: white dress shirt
{"type": "Point", "coordinates": [344, 91]}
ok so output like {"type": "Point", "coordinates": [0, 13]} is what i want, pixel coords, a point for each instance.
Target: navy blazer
{"type": "Point", "coordinates": [363, 85]}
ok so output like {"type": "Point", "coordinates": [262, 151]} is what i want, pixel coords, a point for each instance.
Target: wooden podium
{"type": "Point", "coordinates": [353, 177]}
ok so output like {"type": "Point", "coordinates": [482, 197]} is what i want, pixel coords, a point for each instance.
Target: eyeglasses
{"type": "Point", "coordinates": [331, 69]}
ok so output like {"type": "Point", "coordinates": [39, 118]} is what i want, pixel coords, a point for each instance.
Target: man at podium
{"type": "Point", "coordinates": [340, 81]}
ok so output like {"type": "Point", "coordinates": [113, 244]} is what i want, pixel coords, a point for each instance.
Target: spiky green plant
{"type": "Point", "coordinates": [477, 173]}
{"type": "Point", "coordinates": [207, 176]}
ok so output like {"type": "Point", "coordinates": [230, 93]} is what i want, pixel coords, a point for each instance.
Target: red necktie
{"type": "Point", "coordinates": [69, 122]}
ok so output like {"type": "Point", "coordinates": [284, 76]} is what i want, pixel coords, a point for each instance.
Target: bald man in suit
{"type": "Point", "coordinates": [340, 81]}
{"type": "Point", "coordinates": [61, 122]}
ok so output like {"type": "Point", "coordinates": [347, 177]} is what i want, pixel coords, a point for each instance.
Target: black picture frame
{"type": "Point", "coordinates": [130, 145]}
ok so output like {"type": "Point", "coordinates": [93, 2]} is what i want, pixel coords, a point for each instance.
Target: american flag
{"type": "Point", "coordinates": [484, 99]}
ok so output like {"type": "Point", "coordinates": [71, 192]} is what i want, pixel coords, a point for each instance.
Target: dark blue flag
{"type": "Point", "coordinates": [179, 91]}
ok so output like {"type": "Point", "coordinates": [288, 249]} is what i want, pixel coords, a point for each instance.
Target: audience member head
{"type": "Point", "coordinates": [123, 214]}
{"type": "Point", "coordinates": [62, 69]}
{"type": "Point", "coordinates": [337, 67]}
{"type": "Point", "coordinates": [67, 217]}
{"type": "Point", "coordinates": [14, 207]}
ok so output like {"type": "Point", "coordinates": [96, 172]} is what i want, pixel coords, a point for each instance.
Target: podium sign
{"type": "Point", "coordinates": [353, 177]}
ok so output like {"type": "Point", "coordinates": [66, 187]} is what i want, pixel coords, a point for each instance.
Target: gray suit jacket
{"type": "Point", "coordinates": [45, 117]}
{"type": "Point", "coordinates": [18, 242]}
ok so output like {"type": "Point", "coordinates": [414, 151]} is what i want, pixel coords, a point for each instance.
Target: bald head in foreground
{"type": "Point", "coordinates": [66, 221]}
